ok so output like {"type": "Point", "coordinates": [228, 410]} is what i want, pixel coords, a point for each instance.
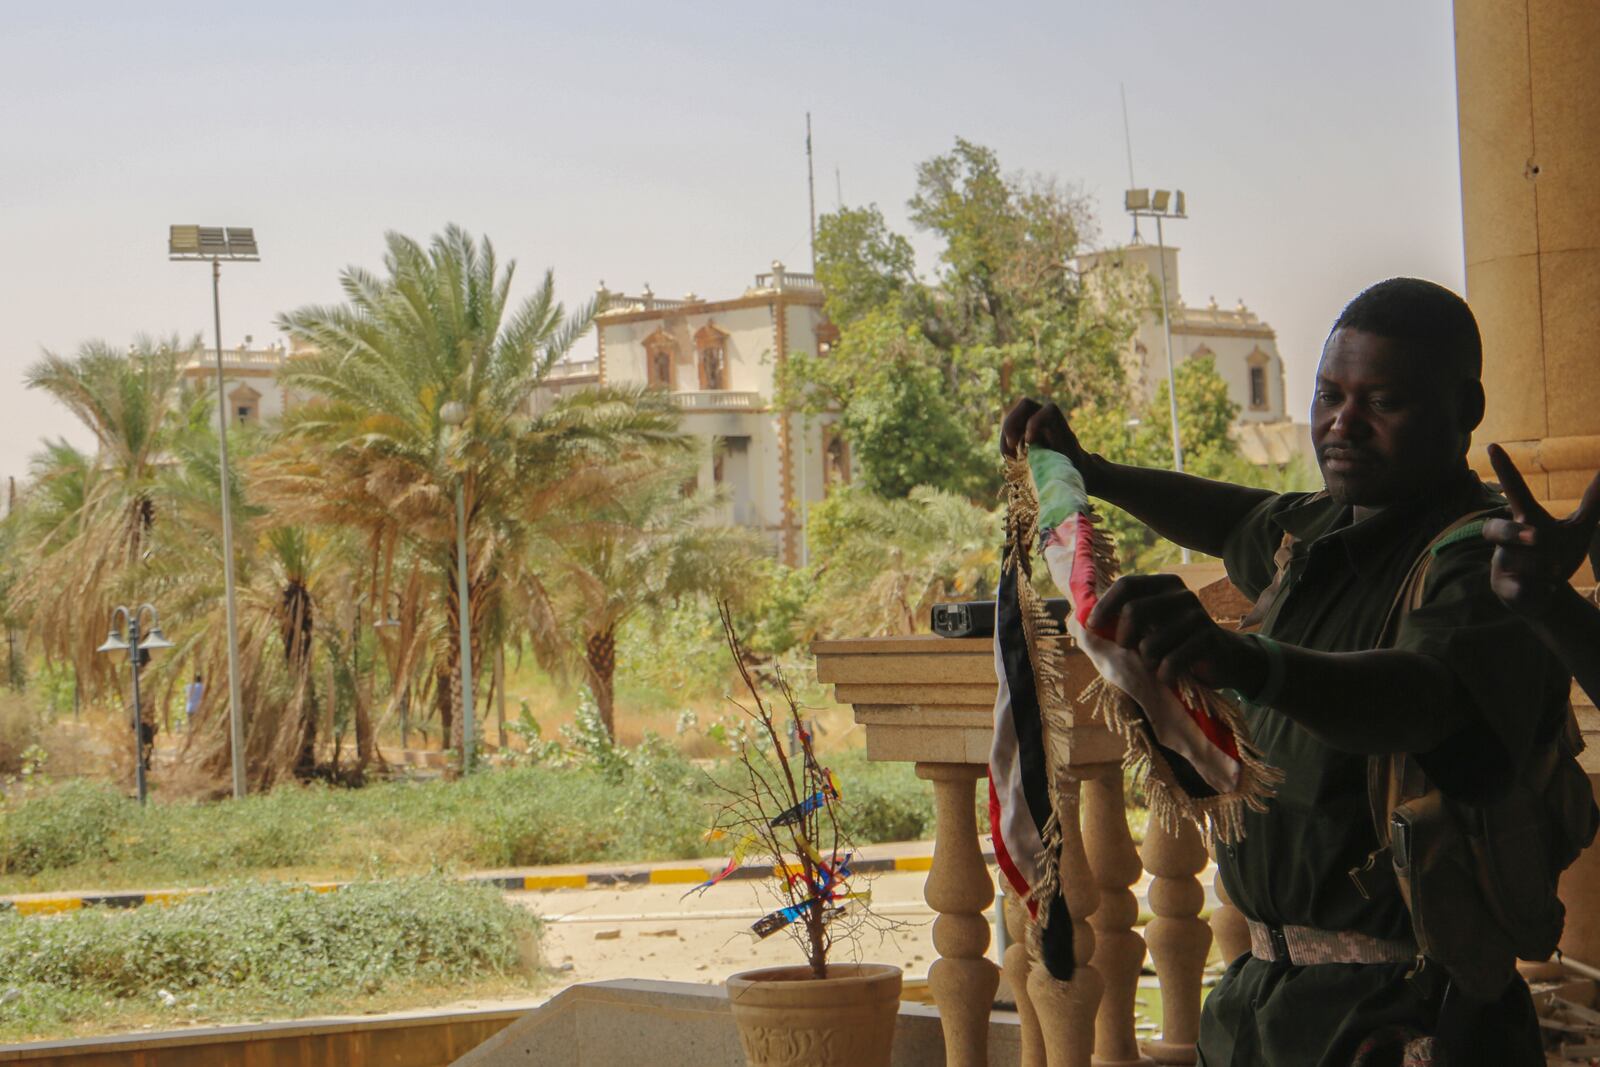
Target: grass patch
{"type": "Point", "coordinates": [253, 950]}
{"type": "Point", "coordinates": [633, 805]}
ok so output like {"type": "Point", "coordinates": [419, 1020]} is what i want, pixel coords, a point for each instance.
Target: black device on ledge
{"type": "Point", "coordinates": [975, 618]}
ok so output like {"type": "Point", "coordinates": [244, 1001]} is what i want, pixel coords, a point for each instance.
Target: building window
{"type": "Point", "coordinates": [660, 359]}
{"type": "Point", "coordinates": [1258, 387]}
{"type": "Point", "coordinates": [246, 405]}
{"type": "Point", "coordinates": [711, 368]}
{"type": "Point", "coordinates": [711, 345]}
{"type": "Point", "coordinates": [1257, 364]}
{"type": "Point", "coordinates": [661, 368]}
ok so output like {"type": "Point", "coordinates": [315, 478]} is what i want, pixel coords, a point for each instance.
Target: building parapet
{"type": "Point", "coordinates": [1239, 318]}
{"type": "Point", "coordinates": [242, 358]}
{"type": "Point", "coordinates": [780, 278]}
{"type": "Point", "coordinates": [611, 303]}
{"type": "Point", "coordinates": [569, 369]}
{"type": "Point", "coordinates": [718, 400]}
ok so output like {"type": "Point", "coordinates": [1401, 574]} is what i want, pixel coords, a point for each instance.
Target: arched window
{"type": "Point", "coordinates": [660, 358]}
{"type": "Point", "coordinates": [711, 345]}
{"type": "Point", "coordinates": [711, 370]}
{"type": "Point", "coordinates": [246, 405]}
{"type": "Point", "coordinates": [1258, 387]}
{"type": "Point", "coordinates": [1260, 397]}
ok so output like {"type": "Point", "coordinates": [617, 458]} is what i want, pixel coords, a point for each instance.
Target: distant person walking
{"type": "Point", "coordinates": [193, 695]}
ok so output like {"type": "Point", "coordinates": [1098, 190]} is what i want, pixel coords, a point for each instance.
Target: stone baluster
{"type": "Point", "coordinates": [1066, 1010]}
{"type": "Point", "coordinates": [1119, 951]}
{"type": "Point", "coordinates": [1016, 969]}
{"type": "Point", "coordinates": [962, 980]}
{"type": "Point", "coordinates": [1228, 925]}
{"type": "Point", "coordinates": [1179, 939]}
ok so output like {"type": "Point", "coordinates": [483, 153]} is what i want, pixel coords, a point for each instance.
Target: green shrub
{"type": "Point", "coordinates": [74, 823]}
{"type": "Point", "coordinates": [264, 945]}
{"type": "Point", "coordinates": [883, 801]}
{"type": "Point", "coordinates": [590, 801]}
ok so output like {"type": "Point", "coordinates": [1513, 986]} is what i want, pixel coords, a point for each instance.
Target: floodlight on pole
{"type": "Point", "coordinates": [1141, 204]}
{"type": "Point", "coordinates": [214, 244]}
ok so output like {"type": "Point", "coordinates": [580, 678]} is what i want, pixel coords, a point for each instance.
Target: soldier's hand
{"type": "Point", "coordinates": [1157, 616]}
{"type": "Point", "coordinates": [1535, 553]}
{"type": "Point", "coordinates": [1029, 422]}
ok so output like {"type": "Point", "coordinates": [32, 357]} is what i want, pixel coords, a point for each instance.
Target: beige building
{"type": "Point", "coordinates": [1244, 348]}
{"type": "Point", "coordinates": [719, 360]}
{"type": "Point", "coordinates": [249, 380]}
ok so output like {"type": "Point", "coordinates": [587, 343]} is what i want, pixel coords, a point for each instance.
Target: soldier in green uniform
{"type": "Point", "coordinates": [1465, 686]}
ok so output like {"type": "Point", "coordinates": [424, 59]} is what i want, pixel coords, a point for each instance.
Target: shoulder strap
{"type": "Point", "coordinates": [1414, 588]}
{"type": "Point", "coordinates": [1396, 777]}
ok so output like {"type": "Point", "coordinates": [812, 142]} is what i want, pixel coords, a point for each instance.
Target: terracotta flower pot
{"type": "Point", "coordinates": [787, 1018]}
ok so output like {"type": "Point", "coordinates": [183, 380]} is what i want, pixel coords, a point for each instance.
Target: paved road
{"type": "Point", "coordinates": [652, 932]}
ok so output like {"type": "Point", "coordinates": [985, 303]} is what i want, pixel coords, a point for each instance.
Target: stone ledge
{"type": "Point", "coordinates": [683, 1024]}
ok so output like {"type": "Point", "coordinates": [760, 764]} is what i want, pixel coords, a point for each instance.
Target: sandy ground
{"type": "Point", "coordinates": [593, 935]}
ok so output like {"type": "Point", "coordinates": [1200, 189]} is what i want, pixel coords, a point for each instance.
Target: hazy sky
{"type": "Point", "coordinates": [663, 143]}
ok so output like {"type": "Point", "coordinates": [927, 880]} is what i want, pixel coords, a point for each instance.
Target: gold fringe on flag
{"type": "Point", "coordinates": [1221, 815]}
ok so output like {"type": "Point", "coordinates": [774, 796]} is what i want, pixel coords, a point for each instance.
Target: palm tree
{"type": "Point", "coordinates": [885, 563]}
{"type": "Point", "coordinates": [372, 452]}
{"type": "Point", "coordinates": [90, 522]}
{"type": "Point", "coordinates": [647, 546]}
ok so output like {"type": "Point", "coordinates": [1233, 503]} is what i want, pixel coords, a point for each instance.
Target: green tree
{"type": "Point", "coordinates": [862, 265]}
{"type": "Point", "coordinates": [1205, 417]}
{"type": "Point", "coordinates": [644, 548]}
{"type": "Point", "coordinates": [929, 366]}
{"type": "Point", "coordinates": [883, 563]}
{"type": "Point", "coordinates": [372, 452]}
{"type": "Point", "coordinates": [89, 525]}
{"type": "Point", "coordinates": [894, 407]}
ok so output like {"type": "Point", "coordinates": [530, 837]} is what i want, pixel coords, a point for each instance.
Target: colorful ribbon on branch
{"type": "Point", "coordinates": [740, 849]}
{"type": "Point", "coordinates": [772, 922]}
{"type": "Point", "coordinates": [828, 792]}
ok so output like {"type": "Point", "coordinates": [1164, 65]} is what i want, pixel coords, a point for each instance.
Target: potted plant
{"type": "Point", "coordinates": [785, 810]}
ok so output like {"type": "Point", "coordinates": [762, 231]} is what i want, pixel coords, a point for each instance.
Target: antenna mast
{"type": "Point", "coordinates": [1127, 140]}
{"type": "Point", "coordinates": [811, 193]}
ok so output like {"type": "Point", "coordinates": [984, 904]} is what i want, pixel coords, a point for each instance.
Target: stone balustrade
{"type": "Point", "coordinates": [930, 701]}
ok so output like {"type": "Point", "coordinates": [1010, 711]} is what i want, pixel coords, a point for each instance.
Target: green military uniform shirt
{"type": "Point", "coordinates": [1292, 866]}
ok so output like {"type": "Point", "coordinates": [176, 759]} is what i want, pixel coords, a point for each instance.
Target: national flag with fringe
{"type": "Point", "coordinates": [1189, 742]}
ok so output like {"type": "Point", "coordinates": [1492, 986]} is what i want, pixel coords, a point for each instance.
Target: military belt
{"type": "Point", "coordinates": [1306, 945]}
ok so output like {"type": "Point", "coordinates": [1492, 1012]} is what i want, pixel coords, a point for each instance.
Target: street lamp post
{"type": "Point", "coordinates": [236, 244]}
{"type": "Point", "coordinates": [1163, 204]}
{"type": "Point", "coordinates": [133, 643]}
{"type": "Point", "coordinates": [454, 413]}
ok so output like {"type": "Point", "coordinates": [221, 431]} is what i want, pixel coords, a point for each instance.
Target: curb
{"type": "Point", "coordinates": [676, 874]}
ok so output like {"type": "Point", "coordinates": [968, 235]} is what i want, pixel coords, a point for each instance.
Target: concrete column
{"type": "Point", "coordinates": [1528, 86]}
{"type": "Point", "coordinates": [1118, 949]}
{"type": "Point", "coordinates": [1067, 1010]}
{"type": "Point", "coordinates": [959, 888]}
{"type": "Point", "coordinates": [1179, 939]}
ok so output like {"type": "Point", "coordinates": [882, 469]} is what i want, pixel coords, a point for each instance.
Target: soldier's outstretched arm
{"type": "Point", "coordinates": [1197, 513]}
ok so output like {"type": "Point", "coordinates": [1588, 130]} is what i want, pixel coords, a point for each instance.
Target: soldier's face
{"type": "Point", "coordinates": [1385, 427]}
